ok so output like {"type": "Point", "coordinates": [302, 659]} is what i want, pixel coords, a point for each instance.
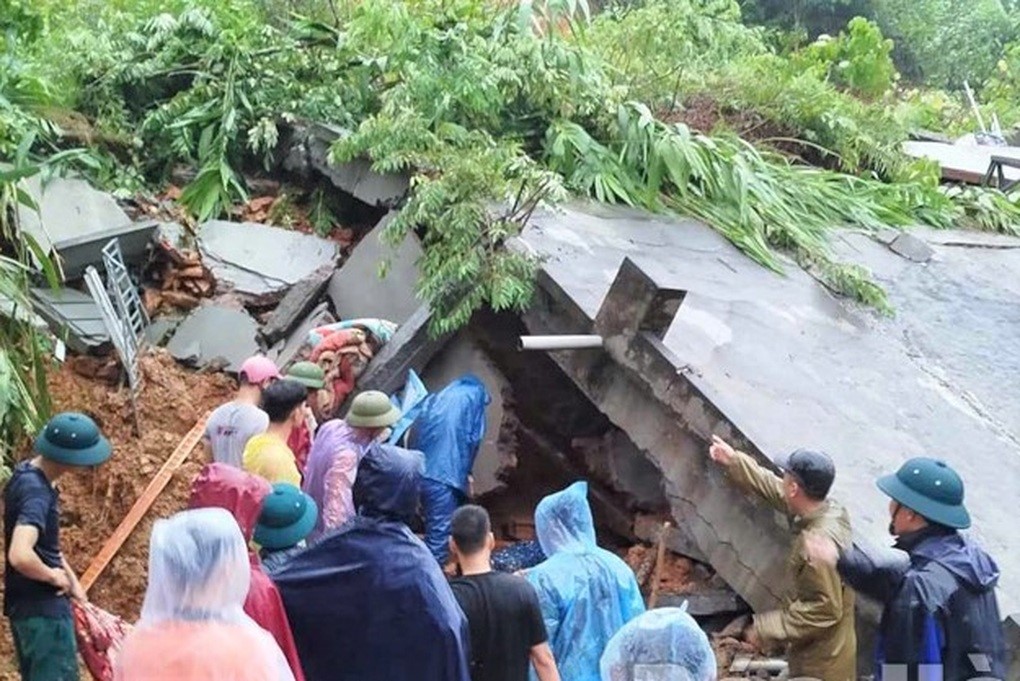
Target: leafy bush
{"type": "Point", "coordinates": [812, 17]}
{"type": "Point", "coordinates": [944, 42]}
{"type": "Point", "coordinates": [858, 60]}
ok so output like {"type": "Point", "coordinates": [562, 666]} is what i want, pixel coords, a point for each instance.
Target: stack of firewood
{"type": "Point", "coordinates": [178, 280]}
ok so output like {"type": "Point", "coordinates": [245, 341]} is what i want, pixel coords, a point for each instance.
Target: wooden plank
{"type": "Point", "coordinates": [142, 505]}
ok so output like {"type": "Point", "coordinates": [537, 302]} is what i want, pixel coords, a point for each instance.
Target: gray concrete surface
{"type": "Point", "coordinates": [72, 316]}
{"type": "Point", "coordinates": [259, 260]}
{"type": "Point", "coordinates": [71, 212]}
{"type": "Point", "coordinates": [215, 336]}
{"type": "Point", "coordinates": [392, 297]}
{"type": "Point", "coordinates": [789, 365]}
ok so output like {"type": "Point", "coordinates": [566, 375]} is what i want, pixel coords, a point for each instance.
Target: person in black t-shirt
{"type": "Point", "coordinates": [37, 578]}
{"type": "Point", "coordinates": [507, 630]}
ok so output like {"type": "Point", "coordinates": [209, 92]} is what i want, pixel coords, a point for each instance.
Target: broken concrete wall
{"type": "Point", "coordinates": [305, 148]}
{"type": "Point", "coordinates": [357, 290]}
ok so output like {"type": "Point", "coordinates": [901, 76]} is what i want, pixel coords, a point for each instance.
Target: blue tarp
{"type": "Point", "coordinates": [449, 429]}
{"type": "Point", "coordinates": [367, 602]}
{"type": "Point", "coordinates": [587, 593]}
{"type": "Point", "coordinates": [665, 643]}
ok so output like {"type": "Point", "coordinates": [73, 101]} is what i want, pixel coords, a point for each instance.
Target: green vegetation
{"type": "Point", "coordinates": [741, 114]}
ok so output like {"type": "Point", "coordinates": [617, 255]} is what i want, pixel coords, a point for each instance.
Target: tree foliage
{"type": "Point", "coordinates": [493, 109]}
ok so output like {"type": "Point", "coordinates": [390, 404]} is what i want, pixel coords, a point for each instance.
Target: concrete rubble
{"type": "Point", "coordinates": [306, 150]}
{"type": "Point", "coordinates": [259, 261]}
{"type": "Point", "coordinates": [963, 163]}
{"type": "Point", "coordinates": [699, 340]}
{"type": "Point", "coordinates": [215, 336]}
{"type": "Point", "coordinates": [684, 315]}
{"type": "Point", "coordinates": [73, 317]}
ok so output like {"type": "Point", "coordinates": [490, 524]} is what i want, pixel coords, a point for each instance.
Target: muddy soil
{"type": "Point", "coordinates": [94, 503]}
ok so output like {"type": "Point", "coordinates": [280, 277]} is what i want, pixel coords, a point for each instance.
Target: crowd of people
{"type": "Point", "coordinates": [297, 559]}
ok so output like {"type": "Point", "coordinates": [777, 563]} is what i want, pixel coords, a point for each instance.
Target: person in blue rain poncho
{"type": "Point", "coordinates": [367, 602]}
{"type": "Point", "coordinates": [448, 430]}
{"type": "Point", "coordinates": [664, 644]}
{"type": "Point", "coordinates": [586, 593]}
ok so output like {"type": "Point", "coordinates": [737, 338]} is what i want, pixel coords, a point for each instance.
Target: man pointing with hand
{"type": "Point", "coordinates": [816, 620]}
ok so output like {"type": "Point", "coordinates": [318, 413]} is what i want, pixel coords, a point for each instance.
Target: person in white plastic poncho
{"type": "Point", "coordinates": [193, 626]}
{"type": "Point", "coordinates": [586, 593]}
{"type": "Point", "coordinates": [661, 645]}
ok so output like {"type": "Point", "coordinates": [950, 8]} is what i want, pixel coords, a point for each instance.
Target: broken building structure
{"type": "Point", "coordinates": [697, 340]}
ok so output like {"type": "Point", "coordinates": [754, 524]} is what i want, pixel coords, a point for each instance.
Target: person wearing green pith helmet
{"type": "Point", "coordinates": [38, 581]}
{"type": "Point", "coordinates": [940, 616]}
{"type": "Point", "coordinates": [312, 377]}
{"type": "Point", "coordinates": [288, 517]}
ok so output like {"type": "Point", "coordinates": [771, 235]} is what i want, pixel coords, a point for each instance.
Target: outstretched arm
{"type": "Point", "coordinates": [748, 474]}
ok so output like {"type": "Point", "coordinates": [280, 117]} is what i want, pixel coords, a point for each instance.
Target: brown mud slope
{"type": "Point", "coordinates": [94, 503]}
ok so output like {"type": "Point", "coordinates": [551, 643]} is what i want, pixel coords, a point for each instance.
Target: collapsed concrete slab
{"type": "Point", "coordinates": [215, 336]}
{"type": "Point", "coordinates": [261, 261]}
{"type": "Point", "coordinates": [393, 296]}
{"type": "Point", "coordinates": [75, 221]}
{"type": "Point", "coordinates": [307, 148]}
{"type": "Point", "coordinates": [73, 317]}
{"type": "Point", "coordinates": [774, 363]}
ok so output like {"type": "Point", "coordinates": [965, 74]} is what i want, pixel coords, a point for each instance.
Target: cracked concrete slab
{"type": "Point", "coordinates": [259, 260]}
{"type": "Point", "coordinates": [393, 296]}
{"type": "Point", "coordinates": [76, 220]}
{"type": "Point", "coordinates": [215, 336]}
{"type": "Point", "coordinates": [788, 365]}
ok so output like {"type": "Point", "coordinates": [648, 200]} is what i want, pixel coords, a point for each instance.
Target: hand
{"type": "Point", "coordinates": [721, 452]}
{"type": "Point", "coordinates": [59, 579]}
{"type": "Point", "coordinates": [820, 549]}
{"type": "Point", "coordinates": [78, 593]}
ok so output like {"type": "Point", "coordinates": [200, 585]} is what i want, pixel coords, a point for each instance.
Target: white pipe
{"type": "Point", "coordinates": [559, 342]}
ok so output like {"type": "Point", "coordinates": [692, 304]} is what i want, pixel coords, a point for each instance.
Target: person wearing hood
{"type": "Point", "coordinates": [448, 430]}
{"type": "Point", "coordinates": [242, 494]}
{"type": "Point", "coordinates": [367, 602]}
{"type": "Point", "coordinates": [815, 621]}
{"type": "Point", "coordinates": [940, 610]}
{"type": "Point", "coordinates": [664, 643]}
{"type": "Point", "coordinates": [336, 452]}
{"type": "Point", "coordinates": [193, 626]}
{"type": "Point", "coordinates": [586, 593]}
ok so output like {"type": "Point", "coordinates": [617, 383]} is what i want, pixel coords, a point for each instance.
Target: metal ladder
{"type": "Point", "coordinates": [123, 315]}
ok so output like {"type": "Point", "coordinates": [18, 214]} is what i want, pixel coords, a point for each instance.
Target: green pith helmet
{"type": "Point", "coordinates": [308, 374]}
{"type": "Point", "coordinates": [931, 488]}
{"type": "Point", "coordinates": [73, 439]}
{"type": "Point", "coordinates": [372, 409]}
{"type": "Point", "coordinates": [288, 516]}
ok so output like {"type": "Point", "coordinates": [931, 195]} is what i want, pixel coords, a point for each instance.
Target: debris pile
{"type": "Point", "coordinates": [177, 279]}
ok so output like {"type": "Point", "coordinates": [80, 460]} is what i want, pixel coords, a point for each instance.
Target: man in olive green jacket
{"type": "Point", "coordinates": [816, 620]}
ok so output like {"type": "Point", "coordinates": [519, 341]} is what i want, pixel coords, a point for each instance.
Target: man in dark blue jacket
{"type": "Point", "coordinates": [940, 620]}
{"type": "Point", "coordinates": [367, 602]}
